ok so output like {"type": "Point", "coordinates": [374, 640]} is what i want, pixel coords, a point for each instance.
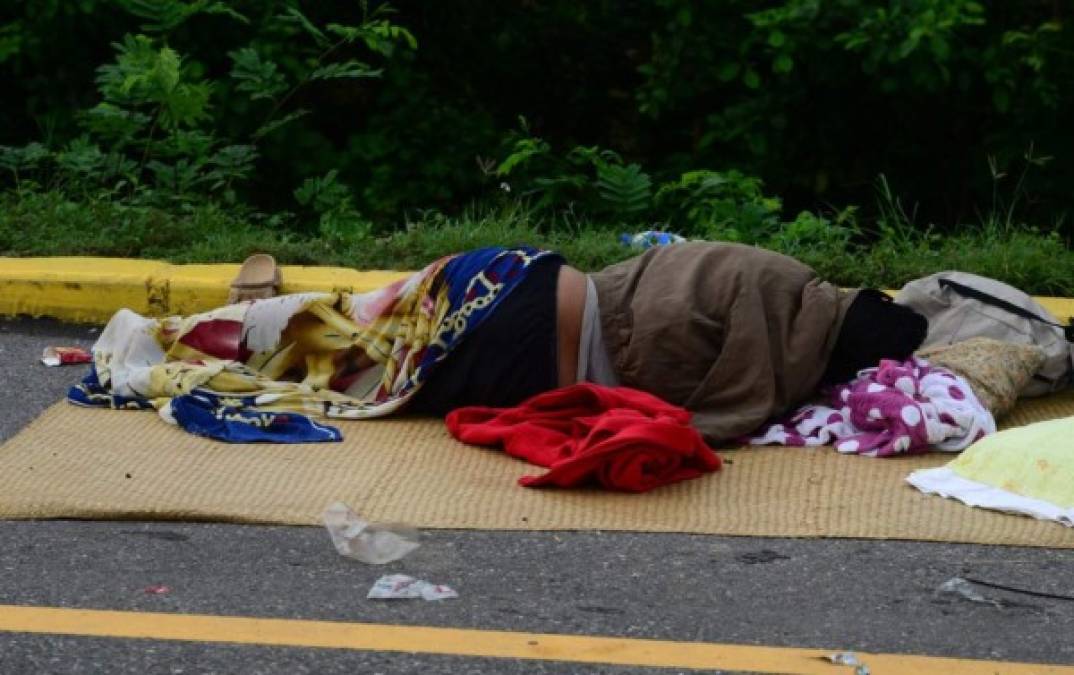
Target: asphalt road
{"type": "Point", "coordinates": [875, 596]}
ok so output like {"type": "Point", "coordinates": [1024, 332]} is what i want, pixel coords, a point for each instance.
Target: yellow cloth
{"type": "Point", "coordinates": [1034, 461]}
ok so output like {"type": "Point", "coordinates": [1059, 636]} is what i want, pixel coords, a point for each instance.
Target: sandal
{"type": "Point", "coordinates": [259, 278]}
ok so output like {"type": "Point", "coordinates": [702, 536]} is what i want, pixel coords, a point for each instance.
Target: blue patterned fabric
{"type": "Point", "coordinates": [464, 289]}
{"type": "Point", "coordinates": [237, 420]}
{"type": "Point", "coordinates": [90, 394]}
{"type": "Point", "coordinates": [477, 282]}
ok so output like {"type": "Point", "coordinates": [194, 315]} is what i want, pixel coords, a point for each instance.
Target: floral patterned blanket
{"type": "Point", "coordinates": [251, 370]}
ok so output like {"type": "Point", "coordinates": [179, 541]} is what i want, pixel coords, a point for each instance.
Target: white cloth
{"type": "Point", "coordinates": [945, 482]}
{"type": "Point", "coordinates": [130, 343]}
{"type": "Point", "coordinates": [1027, 470]}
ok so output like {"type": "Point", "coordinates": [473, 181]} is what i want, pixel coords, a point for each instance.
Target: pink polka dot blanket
{"type": "Point", "coordinates": [895, 408]}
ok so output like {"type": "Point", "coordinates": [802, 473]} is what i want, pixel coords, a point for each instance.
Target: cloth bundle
{"type": "Point", "coordinates": [227, 373]}
{"type": "Point", "coordinates": [619, 438]}
{"type": "Point", "coordinates": [1027, 470]}
{"type": "Point", "coordinates": [898, 407]}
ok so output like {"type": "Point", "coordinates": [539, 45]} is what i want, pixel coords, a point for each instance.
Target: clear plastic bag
{"type": "Point", "coordinates": [373, 544]}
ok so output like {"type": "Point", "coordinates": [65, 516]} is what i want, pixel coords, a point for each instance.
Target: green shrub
{"type": "Point", "coordinates": [814, 98]}
{"type": "Point", "coordinates": [323, 133]}
{"type": "Point", "coordinates": [720, 205]}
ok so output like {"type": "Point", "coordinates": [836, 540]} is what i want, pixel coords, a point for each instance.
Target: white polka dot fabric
{"type": "Point", "coordinates": [895, 408]}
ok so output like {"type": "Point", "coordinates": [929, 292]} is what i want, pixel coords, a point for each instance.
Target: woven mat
{"type": "Point", "coordinates": [78, 463]}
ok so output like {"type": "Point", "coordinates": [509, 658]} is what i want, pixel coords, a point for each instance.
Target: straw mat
{"type": "Point", "coordinates": [78, 463]}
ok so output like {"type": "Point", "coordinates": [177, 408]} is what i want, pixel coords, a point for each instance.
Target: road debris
{"type": "Point", "coordinates": [849, 659]}
{"type": "Point", "coordinates": [63, 356]}
{"type": "Point", "coordinates": [373, 544]}
{"type": "Point", "coordinates": [157, 589]}
{"type": "Point", "coordinates": [965, 590]}
{"type": "Point", "coordinates": [403, 587]}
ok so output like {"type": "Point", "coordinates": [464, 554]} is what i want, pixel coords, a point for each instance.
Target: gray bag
{"type": "Point", "coordinates": [960, 306]}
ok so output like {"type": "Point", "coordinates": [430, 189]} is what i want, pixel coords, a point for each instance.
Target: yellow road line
{"type": "Point", "coordinates": [482, 643]}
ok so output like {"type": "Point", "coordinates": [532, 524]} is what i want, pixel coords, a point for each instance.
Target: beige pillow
{"type": "Point", "coordinates": [996, 371]}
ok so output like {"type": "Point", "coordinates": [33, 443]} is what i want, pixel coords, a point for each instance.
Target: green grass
{"type": "Point", "coordinates": [47, 224]}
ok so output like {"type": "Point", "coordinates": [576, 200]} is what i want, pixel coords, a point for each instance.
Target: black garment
{"type": "Point", "coordinates": [510, 357]}
{"type": "Point", "coordinates": [874, 328]}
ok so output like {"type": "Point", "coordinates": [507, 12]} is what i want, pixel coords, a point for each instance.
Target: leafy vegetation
{"type": "Point", "coordinates": [876, 141]}
{"type": "Point", "coordinates": [835, 245]}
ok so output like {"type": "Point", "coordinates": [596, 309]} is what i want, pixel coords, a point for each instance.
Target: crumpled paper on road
{"type": "Point", "coordinates": [403, 587]}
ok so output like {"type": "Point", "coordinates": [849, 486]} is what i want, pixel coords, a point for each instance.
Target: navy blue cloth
{"type": "Point", "coordinates": [90, 394]}
{"type": "Point", "coordinates": [510, 357]}
{"type": "Point", "coordinates": [235, 420]}
{"type": "Point", "coordinates": [507, 267]}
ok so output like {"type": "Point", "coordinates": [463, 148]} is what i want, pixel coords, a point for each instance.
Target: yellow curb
{"type": "Point", "coordinates": [1062, 308]}
{"type": "Point", "coordinates": [91, 290]}
{"type": "Point", "coordinates": [197, 288]}
{"type": "Point", "coordinates": [76, 289]}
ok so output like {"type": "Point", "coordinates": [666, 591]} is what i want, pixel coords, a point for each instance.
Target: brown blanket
{"type": "Point", "coordinates": [733, 333]}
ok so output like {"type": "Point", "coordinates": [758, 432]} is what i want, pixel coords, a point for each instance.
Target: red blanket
{"type": "Point", "coordinates": [621, 438]}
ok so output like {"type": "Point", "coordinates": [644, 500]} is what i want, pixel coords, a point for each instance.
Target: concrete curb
{"type": "Point", "coordinates": [91, 290]}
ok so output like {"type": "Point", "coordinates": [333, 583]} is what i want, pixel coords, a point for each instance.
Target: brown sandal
{"type": "Point", "coordinates": [259, 278]}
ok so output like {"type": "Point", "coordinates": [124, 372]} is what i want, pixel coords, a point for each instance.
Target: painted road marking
{"type": "Point", "coordinates": [482, 643]}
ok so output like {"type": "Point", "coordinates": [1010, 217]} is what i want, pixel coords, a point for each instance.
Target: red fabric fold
{"type": "Point", "coordinates": [617, 437]}
{"type": "Point", "coordinates": [221, 338]}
